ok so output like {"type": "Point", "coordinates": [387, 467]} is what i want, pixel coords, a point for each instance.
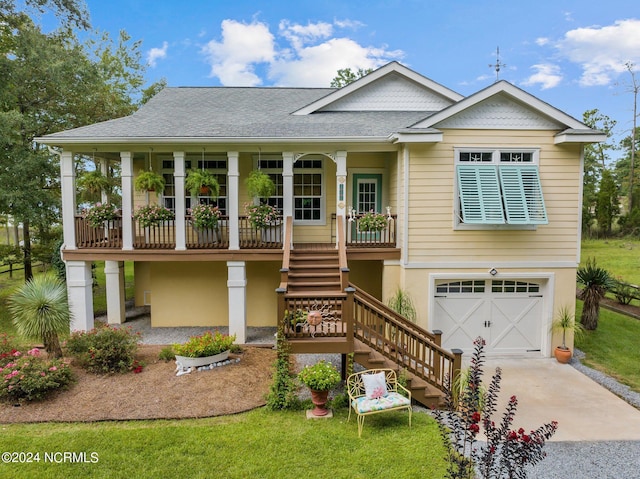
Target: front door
{"type": "Point", "coordinates": [367, 196]}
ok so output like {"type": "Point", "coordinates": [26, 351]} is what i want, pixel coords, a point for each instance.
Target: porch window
{"type": "Point", "coordinates": [218, 166]}
{"type": "Point", "coordinates": [273, 168]}
{"type": "Point", "coordinates": [499, 188]}
{"type": "Point", "coordinates": [308, 190]}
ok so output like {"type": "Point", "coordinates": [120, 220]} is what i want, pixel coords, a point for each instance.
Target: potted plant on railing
{"type": "Point", "coordinates": [565, 322]}
{"type": "Point", "coordinates": [203, 350]}
{"type": "Point", "coordinates": [204, 219]}
{"type": "Point", "coordinates": [152, 215]}
{"type": "Point", "coordinates": [372, 221]}
{"type": "Point", "coordinates": [266, 219]}
{"type": "Point", "coordinates": [100, 214]}
{"type": "Point", "coordinates": [149, 181]}
{"type": "Point", "coordinates": [202, 183]}
{"type": "Point", "coordinates": [320, 379]}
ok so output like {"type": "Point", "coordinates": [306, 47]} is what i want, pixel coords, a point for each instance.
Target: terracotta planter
{"type": "Point", "coordinates": [319, 399]}
{"type": "Point", "coordinates": [562, 355]}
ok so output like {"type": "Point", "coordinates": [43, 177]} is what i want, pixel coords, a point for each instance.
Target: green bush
{"type": "Point", "coordinates": [8, 346]}
{"type": "Point", "coordinates": [283, 391]}
{"type": "Point", "coordinates": [104, 350]}
{"type": "Point", "coordinates": [166, 354]}
{"type": "Point", "coordinates": [28, 377]}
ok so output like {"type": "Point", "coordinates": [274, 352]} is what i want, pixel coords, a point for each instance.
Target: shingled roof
{"type": "Point", "coordinates": [242, 113]}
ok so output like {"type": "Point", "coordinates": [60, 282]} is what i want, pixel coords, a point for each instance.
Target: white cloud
{"type": "Point", "coordinates": [155, 54]}
{"type": "Point", "coordinates": [542, 41]}
{"type": "Point", "coordinates": [602, 51]}
{"type": "Point", "coordinates": [243, 46]}
{"type": "Point", "coordinates": [547, 75]}
{"type": "Point", "coordinates": [305, 55]}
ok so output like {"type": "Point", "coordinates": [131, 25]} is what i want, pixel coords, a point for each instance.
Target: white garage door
{"type": "Point", "coordinates": [507, 314]}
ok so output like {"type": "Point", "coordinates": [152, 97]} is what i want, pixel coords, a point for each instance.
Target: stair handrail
{"type": "Point", "coordinates": [432, 363]}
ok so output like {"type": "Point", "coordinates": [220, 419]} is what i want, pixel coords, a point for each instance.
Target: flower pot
{"type": "Point", "coordinates": [186, 362]}
{"type": "Point", "coordinates": [562, 355]}
{"type": "Point", "coordinates": [208, 236]}
{"type": "Point", "coordinates": [271, 234]}
{"type": "Point", "coordinates": [319, 399]}
{"type": "Point", "coordinates": [205, 190]}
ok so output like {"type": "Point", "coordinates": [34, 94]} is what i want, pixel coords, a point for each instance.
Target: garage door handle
{"type": "Point", "coordinates": [487, 324]}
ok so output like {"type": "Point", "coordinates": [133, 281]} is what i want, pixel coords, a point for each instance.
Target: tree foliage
{"type": "Point", "coordinates": [346, 76]}
{"type": "Point", "coordinates": [607, 203]}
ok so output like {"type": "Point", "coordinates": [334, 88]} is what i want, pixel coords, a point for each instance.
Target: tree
{"type": "Point", "coordinates": [40, 311]}
{"type": "Point", "coordinates": [596, 281]}
{"type": "Point", "coordinates": [634, 88]}
{"type": "Point", "coordinates": [51, 83]}
{"type": "Point", "coordinates": [607, 205]}
{"type": "Point", "coordinates": [70, 12]}
{"type": "Point", "coordinates": [595, 159]}
{"type": "Point", "coordinates": [346, 76]}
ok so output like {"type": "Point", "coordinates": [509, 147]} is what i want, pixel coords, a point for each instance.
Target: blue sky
{"type": "Point", "coordinates": [571, 54]}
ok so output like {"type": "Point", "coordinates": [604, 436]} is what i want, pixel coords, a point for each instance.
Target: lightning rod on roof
{"type": "Point", "coordinates": [498, 65]}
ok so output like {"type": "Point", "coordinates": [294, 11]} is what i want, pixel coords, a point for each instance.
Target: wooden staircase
{"type": "Point", "coordinates": [314, 271]}
{"type": "Point", "coordinates": [317, 278]}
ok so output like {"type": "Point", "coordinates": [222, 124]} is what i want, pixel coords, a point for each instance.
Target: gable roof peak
{"type": "Point", "coordinates": [391, 68]}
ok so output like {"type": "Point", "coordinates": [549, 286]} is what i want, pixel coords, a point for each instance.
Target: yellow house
{"type": "Point", "coordinates": [478, 201]}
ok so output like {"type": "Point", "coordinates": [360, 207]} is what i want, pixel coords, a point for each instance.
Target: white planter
{"type": "Point", "coordinates": [185, 362]}
{"type": "Point", "coordinates": [208, 236]}
{"type": "Point", "coordinates": [272, 234]}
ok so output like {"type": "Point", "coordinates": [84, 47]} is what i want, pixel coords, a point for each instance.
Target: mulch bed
{"type": "Point", "coordinates": [156, 392]}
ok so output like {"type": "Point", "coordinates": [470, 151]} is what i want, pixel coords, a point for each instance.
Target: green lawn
{"type": "Point", "coordinates": [613, 348]}
{"type": "Point", "coordinates": [257, 444]}
{"type": "Point", "coordinates": [621, 257]}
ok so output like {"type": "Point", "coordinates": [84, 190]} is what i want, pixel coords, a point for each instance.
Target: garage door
{"type": "Point", "coordinates": [507, 314]}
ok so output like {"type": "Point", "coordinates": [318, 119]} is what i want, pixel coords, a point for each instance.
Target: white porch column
{"type": "Point", "coordinates": [237, 286]}
{"type": "Point", "coordinates": [104, 168]}
{"type": "Point", "coordinates": [341, 186]}
{"type": "Point", "coordinates": [114, 275]}
{"type": "Point", "coordinates": [68, 186]}
{"type": "Point", "coordinates": [80, 293]}
{"type": "Point", "coordinates": [178, 174]}
{"type": "Point", "coordinates": [287, 186]}
{"type": "Point", "coordinates": [233, 191]}
{"type": "Point", "coordinates": [127, 199]}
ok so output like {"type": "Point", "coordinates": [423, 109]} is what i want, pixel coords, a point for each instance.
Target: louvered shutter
{"type": "Point", "coordinates": [522, 194]}
{"type": "Point", "coordinates": [480, 197]}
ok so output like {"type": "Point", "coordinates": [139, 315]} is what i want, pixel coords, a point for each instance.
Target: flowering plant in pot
{"type": "Point", "coordinates": [152, 215]}
{"type": "Point", "coordinates": [205, 216]}
{"type": "Point", "coordinates": [262, 215]}
{"type": "Point", "coordinates": [319, 378]}
{"type": "Point", "coordinates": [372, 221]}
{"type": "Point", "coordinates": [99, 213]}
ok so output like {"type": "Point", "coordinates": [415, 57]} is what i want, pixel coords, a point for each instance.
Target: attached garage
{"type": "Point", "coordinates": [508, 314]}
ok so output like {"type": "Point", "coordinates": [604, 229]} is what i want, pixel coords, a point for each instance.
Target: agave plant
{"type": "Point", "coordinates": [596, 281]}
{"type": "Point", "coordinates": [40, 311]}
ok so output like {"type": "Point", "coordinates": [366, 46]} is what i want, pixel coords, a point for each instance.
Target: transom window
{"type": "Point", "coordinates": [308, 190]}
{"type": "Point", "coordinates": [469, 286]}
{"type": "Point", "coordinates": [505, 286]}
{"type": "Point", "coordinates": [499, 187]}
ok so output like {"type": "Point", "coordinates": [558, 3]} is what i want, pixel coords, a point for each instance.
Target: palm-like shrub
{"type": "Point", "coordinates": [40, 311]}
{"type": "Point", "coordinates": [596, 281]}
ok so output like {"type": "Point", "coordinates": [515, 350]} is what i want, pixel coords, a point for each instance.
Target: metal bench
{"type": "Point", "coordinates": [367, 395]}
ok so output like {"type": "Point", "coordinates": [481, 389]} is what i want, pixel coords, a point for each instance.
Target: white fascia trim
{"type": "Point", "coordinates": [492, 264]}
{"type": "Point", "coordinates": [371, 77]}
{"type": "Point", "coordinates": [210, 140]}
{"type": "Point", "coordinates": [434, 137]}
{"type": "Point", "coordinates": [579, 138]}
{"type": "Point", "coordinates": [502, 87]}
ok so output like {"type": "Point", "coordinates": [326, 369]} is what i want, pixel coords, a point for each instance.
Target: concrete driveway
{"type": "Point", "coordinates": [550, 391]}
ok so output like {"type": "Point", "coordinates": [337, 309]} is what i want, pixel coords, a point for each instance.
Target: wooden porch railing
{"type": "Point", "coordinates": [161, 236]}
{"type": "Point", "coordinates": [367, 239]}
{"type": "Point", "coordinates": [107, 236]}
{"type": "Point", "coordinates": [252, 237]}
{"type": "Point", "coordinates": [405, 343]}
{"type": "Point", "coordinates": [209, 238]}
